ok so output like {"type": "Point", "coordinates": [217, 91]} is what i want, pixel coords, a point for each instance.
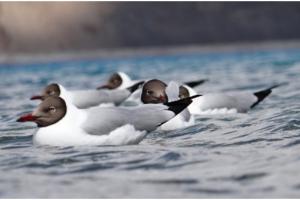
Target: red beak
{"type": "Point", "coordinates": [104, 87]}
{"type": "Point", "coordinates": [36, 97]}
{"type": "Point", "coordinates": [162, 98]}
{"type": "Point", "coordinates": [27, 118]}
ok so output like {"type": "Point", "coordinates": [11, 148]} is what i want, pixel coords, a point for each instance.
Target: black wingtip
{"type": "Point", "coordinates": [195, 83]}
{"type": "Point", "coordinates": [180, 105]}
{"type": "Point", "coordinates": [261, 95]}
{"type": "Point", "coordinates": [135, 86]}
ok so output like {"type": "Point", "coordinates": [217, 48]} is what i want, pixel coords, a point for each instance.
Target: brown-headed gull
{"type": "Point", "coordinates": [226, 102]}
{"type": "Point", "coordinates": [157, 92]}
{"type": "Point", "coordinates": [63, 124]}
{"type": "Point", "coordinates": [121, 80]}
{"type": "Point", "coordinates": [87, 98]}
{"type": "Point", "coordinates": [118, 80]}
{"type": "Point", "coordinates": [135, 97]}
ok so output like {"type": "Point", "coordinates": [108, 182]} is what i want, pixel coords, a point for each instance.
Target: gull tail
{"type": "Point", "coordinates": [261, 95]}
{"type": "Point", "coordinates": [193, 84]}
{"type": "Point", "coordinates": [180, 105]}
{"type": "Point", "coordinates": [135, 86]}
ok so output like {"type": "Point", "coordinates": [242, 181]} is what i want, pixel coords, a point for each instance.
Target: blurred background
{"type": "Point", "coordinates": [237, 46]}
{"type": "Point", "coordinates": [35, 27]}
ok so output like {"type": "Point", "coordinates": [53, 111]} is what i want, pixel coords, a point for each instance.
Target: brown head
{"type": "Point", "coordinates": [50, 90]}
{"type": "Point", "coordinates": [154, 91]}
{"type": "Point", "coordinates": [50, 111]}
{"type": "Point", "coordinates": [113, 82]}
{"type": "Point", "coordinates": [183, 92]}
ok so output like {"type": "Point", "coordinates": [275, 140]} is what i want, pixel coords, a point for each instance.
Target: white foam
{"type": "Point", "coordinates": [103, 105]}
{"type": "Point", "coordinates": [217, 111]}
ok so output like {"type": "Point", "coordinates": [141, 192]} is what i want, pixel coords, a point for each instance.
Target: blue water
{"type": "Point", "coordinates": [239, 155]}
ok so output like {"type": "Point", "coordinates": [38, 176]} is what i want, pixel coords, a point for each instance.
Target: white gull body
{"type": "Point", "coordinates": [126, 81]}
{"type": "Point", "coordinates": [91, 98]}
{"type": "Point", "coordinates": [183, 119]}
{"type": "Point", "coordinates": [221, 103]}
{"type": "Point", "coordinates": [134, 99]}
{"type": "Point", "coordinates": [103, 126]}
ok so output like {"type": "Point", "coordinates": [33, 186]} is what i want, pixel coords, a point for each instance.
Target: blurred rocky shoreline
{"type": "Point", "coordinates": [42, 57]}
{"type": "Point", "coordinates": [108, 28]}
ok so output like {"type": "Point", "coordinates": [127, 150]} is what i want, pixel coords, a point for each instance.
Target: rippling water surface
{"type": "Point", "coordinates": [236, 155]}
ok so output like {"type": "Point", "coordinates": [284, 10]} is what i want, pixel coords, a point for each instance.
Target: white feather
{"type": "Point", "coordinates": [228, 102]}
{"type": "Point", "coordinates": [91, 98]}
{"type": "Point", "coordinates": [172, 91]}
{"type": "Point", "coordinates": [103, 125]}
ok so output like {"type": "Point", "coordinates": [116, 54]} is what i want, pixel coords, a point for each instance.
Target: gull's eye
{"type": "Point", "coordinates": [51, 92]}
{"type": "Point", "coordinates": [52, 109]}
{"type": "Point", "coordinates": [149, 92]}
{"type": "Point", "coordinates": [182, 96]}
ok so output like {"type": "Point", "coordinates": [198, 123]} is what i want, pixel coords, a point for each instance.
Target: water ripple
{"type": "Point", "coordinates": [229, 156]}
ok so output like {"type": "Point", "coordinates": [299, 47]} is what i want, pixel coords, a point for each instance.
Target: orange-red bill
{"type": "Point", "coordinates": [162, 99]}
{"type": "Point", "coordinates": [26, 118]}
{"type": "Point", "coordinates": [104, 87]}
{"type": "Point", "coordinates": [36, 97]}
